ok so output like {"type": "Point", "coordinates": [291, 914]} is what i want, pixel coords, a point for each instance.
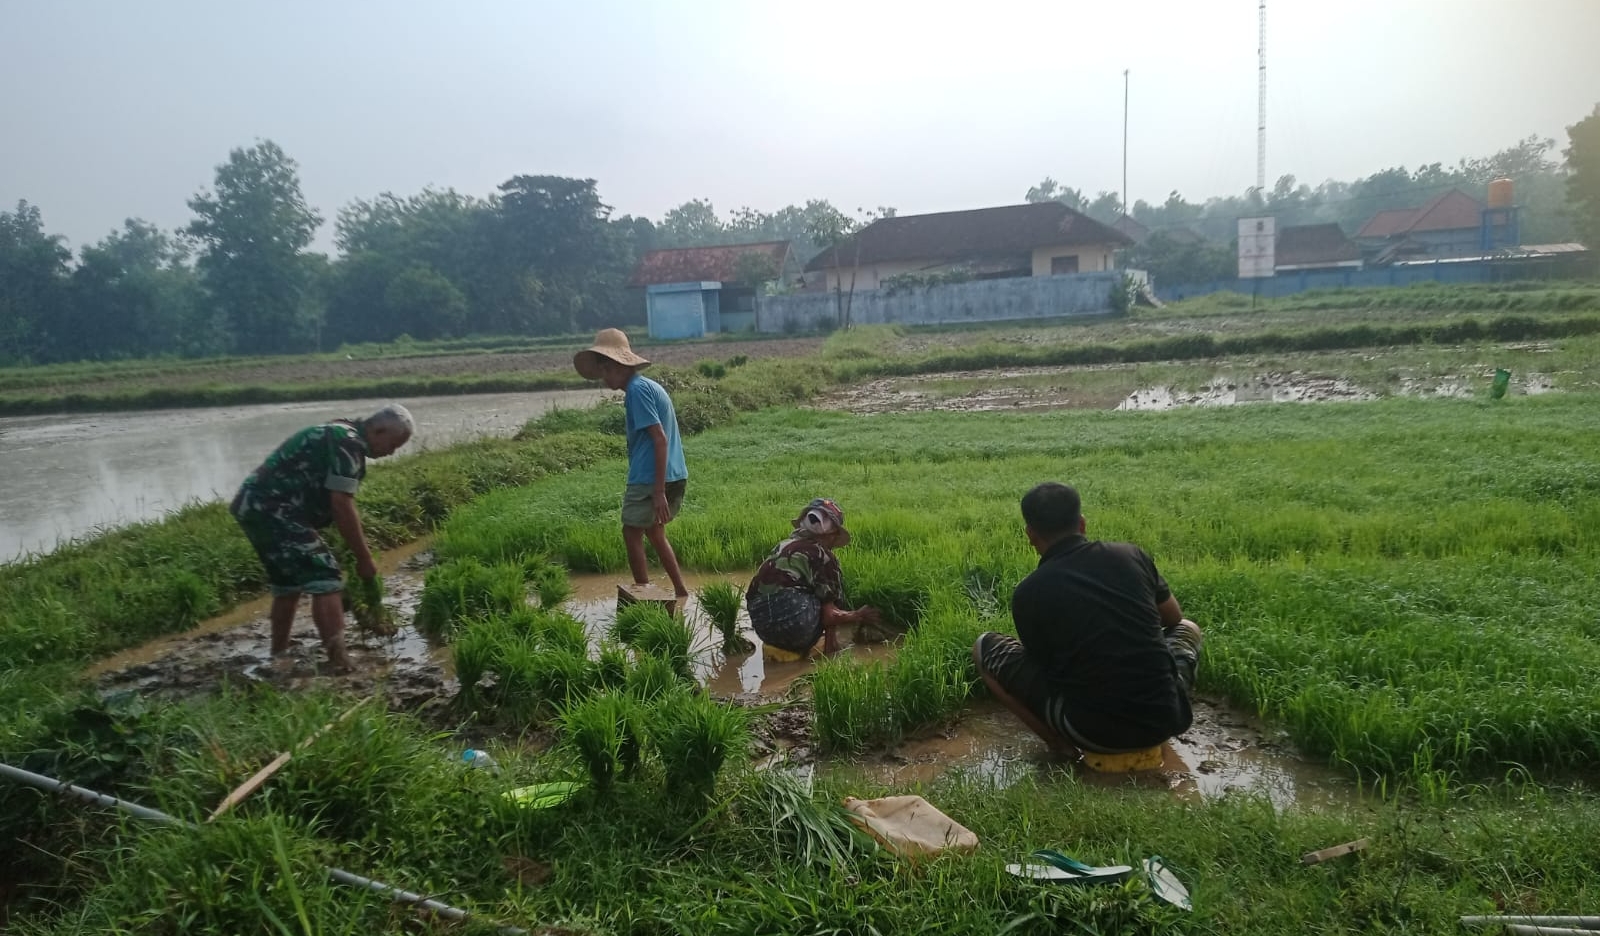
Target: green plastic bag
{"type": "Point", "coordinates": [1502, 379]}
{"type": "Point", "coordinates": [544, 795]}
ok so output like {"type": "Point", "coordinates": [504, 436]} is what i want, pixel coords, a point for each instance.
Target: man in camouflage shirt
{"type": "Point", "coordinates": [797, 594]}
{"type": "Point", "coordinates": [307, 483]}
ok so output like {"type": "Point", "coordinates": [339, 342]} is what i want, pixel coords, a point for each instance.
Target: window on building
{"type": "Point", "coordinates": [1062, 265]}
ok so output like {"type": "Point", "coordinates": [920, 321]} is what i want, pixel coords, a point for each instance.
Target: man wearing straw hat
{"type": "Point", "coordinates": [657, 475]}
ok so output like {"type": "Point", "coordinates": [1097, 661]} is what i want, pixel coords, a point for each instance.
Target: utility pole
{"type": "Point", "coordinates": [1125, 142]}
{"type": "Point", "coordinates": [1261, 108]}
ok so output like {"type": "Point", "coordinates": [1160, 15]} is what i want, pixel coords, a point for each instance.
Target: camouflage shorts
{"type": "Point", "coordinates": [294, 555]}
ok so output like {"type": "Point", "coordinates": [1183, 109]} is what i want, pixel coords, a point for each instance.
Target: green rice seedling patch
{"type": "Point", "coordinates": [604, 731]}
{"type": "Point", "coordinates": [1381, 578]}
{"type": "Point", "coordinates": [455, 591]}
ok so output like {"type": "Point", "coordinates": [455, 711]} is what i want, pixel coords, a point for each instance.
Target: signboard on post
{"type": "Point", "coordinates": [1256, 247]}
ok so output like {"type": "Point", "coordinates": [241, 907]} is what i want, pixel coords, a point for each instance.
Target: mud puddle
{"type": "Point", "coordinates": [1224, 751]}
{"type": "Point", "coordinates": [1294, 387]}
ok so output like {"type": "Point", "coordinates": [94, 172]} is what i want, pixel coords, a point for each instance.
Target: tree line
{"type": "Point", "coordinates": [1559, 202]}
{"type": "Point", "coordinates": [544, 255]}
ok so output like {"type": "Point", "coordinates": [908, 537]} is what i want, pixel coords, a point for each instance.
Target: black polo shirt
{"type": "Point", "coordinates": [1088, 618]}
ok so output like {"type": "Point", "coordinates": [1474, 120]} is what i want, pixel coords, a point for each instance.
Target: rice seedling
{"type": "Point", "coordinates": [631, 619]}
{"type": "Point", "coordinates": [853, 705]}
{"type": "Point", "coordinates": [611, 666]}
{"type": "Point", "coordinates": [603, 730]}
{"type": "Point", "coordinates": [652, 677]}
{"type": "Point", "coordinates": [560, 677]}
{"type": "Point", "coordinates": [467, 588]}
{"type": "Point", "coordinates": [475, 652]}
{"type": "Point", "coordinates": [552, 585]}
{"type": "Point", "coordinates": [694, 734]}
{"type": "Point", "coordinates": [365, 600]}
{"type": "Point", "coordinates": [557, 630]}
{"type": "Point", "coordinates": [721, 601]}
{"type": "Point", "coordinates": [802, 828]}
{"type": "Point", "coordinates": [666, 637]}
{"type": "Point", "coordinates": [926, 685]}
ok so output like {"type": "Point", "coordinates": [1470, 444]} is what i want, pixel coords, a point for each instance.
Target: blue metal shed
{"type": "Point", "coordinates": [683, 310]}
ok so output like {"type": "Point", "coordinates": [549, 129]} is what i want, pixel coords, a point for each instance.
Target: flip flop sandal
{"type": "Point", "coordinates": [1059, 867]}
{"type": "Point", "coordinates": [1041, 872]}
{"type": "Point", "coordinates": [1164, 884]}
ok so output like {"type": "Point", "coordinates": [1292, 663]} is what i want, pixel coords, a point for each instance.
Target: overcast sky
{"type": "Point", "coordinates": [114, 108]}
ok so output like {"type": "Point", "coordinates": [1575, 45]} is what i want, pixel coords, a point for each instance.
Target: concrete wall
{"type": "Point", "coordinates": [978, 301]}
{"type": "Point", "coordinates": [1092, 258]}
{"type": "Point", "coordinates": [1287, 284]}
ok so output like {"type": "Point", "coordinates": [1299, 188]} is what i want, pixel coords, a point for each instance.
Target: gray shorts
{"type": "Point", "coordinates": [639, 504]}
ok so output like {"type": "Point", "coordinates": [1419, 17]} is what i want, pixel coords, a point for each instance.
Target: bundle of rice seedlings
{"type": "Point", "coordinates": [803, 829]}
{"type": "Point", "coordinates": [466, 588]}
{"type": "Point", "coordinates": [666, 637]}
{"type": "Point", "coordinates": [631, 619]}
{"type": "Point", "coordinates": [721, 602]}
{"type": "Point", "coordinates": [364, 600]}
{"type": "Point", "coordinates": [611, 669]}
{"type": "Point", "coordinates": [552, 585]}
{"type": "Point", "coordinates": [561, 677]}
{"type": "Point", "coordinates": [603, 730]}
{"type": "Point", "coordinates": [651, 678]}
{"type": "Point", "coordinates": [557, 630]}
{"type": "Point", "coordinates": [693, 735]}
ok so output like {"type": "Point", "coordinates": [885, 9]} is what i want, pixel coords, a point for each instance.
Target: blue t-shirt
{"type": "Point", "coordinates": [647, 404]}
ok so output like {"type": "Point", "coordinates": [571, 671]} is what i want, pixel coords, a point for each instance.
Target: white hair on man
{"type": "Point", "coordinates": [395, 417]}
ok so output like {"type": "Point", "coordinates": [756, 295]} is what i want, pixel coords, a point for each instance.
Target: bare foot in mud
{"type": "Point", "coordinates": [336, 668]}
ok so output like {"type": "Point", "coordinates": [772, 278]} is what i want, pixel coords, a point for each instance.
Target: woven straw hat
{"type": "Point", "coordinates": [611, 343]}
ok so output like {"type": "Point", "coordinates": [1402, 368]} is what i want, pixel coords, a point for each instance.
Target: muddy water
{"type": "Point", "coordinates": [1225, 750]}
{"type": "Point", "coordinates": [62, 477]}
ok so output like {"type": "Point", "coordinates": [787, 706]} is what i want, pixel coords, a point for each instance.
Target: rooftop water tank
{"type": "Point", "coordinates": [1500, 193]}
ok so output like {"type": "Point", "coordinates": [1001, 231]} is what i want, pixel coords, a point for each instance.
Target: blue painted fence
{"type": "Point", "coordinates": [1287, 284]}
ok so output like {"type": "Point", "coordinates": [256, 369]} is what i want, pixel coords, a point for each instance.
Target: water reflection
{"type": "Point", "coordinates": [62, 477]}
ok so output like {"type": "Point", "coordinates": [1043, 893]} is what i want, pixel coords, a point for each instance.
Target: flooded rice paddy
{"type": "Point", "coordinates": [62, 477]}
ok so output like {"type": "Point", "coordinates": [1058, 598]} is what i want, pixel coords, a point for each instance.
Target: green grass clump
{"type": "Point", "coordinates": [694, 735]}
{"type": "Point", "coordinates": [721, 601]}
{"type": "Point", "coordinates": [455, 591]}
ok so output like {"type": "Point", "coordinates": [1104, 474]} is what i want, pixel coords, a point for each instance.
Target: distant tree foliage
{"type": "Point", "coordinates": [1583, 177]}
{"type": "Point", "coordinates": [544, 254]}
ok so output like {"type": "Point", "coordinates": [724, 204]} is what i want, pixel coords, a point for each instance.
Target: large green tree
{"type": "Point", "coordinates": [254, 227]}
{"type": "Point", "coordinates": [1583, 178]}
{"type": "Point", "coordinates": [33, 285]}
{"type": "Point", "coordinates": [133, 295]}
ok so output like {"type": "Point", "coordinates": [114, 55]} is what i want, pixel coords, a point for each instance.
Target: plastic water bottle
{"type": "Point", "coordinates": [473, 757]}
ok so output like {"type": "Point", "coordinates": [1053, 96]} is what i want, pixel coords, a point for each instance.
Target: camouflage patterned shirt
{"type": "Point", "coordinates": [802, 563]}
{"type": "Point", "coordinates": [293, 483]}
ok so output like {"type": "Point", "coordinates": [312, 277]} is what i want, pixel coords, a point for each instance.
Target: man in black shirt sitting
{"type": "Point", "coordinates": [1106, 660]}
